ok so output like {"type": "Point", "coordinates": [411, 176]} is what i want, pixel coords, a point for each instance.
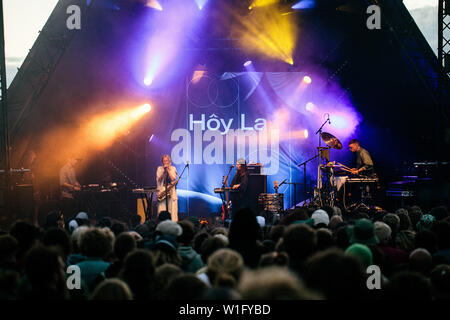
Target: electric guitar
{"type": "Point", "coordinates": [226, 205]}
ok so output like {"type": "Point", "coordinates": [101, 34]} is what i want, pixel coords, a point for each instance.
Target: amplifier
{"type": "Point", "coordinates": [400, 193]}
{"type": "Point", "coordinates": [257, 184]}
{"type": "Point", "coordinates": [255, 168]}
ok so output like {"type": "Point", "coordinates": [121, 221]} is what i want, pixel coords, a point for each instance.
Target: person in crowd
{"type": "Point", "coordinates": [163, 276]}
{"type": "Point", "coordinates": [245, 236]}
{"type": "Point", "coordinates": [186, 287]}
{"type": "Point", "coordinates": [123, 245]}
{"type": "Point", "coordinates": [191, 261]}
{"type": "Point", "coordinates": [336, 275]}
{"type": "Point", "coordinates": [45, 271]}
{"type": "Point", "coordinates": [407, 285]}
{"type": "Point", "coordinates": [112, 289]}
{"type": "Point", "coordinates": [299, 242]}
{"type": "Point", "coordinates": [138, 272]}
{"type": "Point", "coordinates": [274, 283]}
{"type": "Point", "coordinates": [58, 237]}
{"type": "Point", "coordinates": [95, 244]}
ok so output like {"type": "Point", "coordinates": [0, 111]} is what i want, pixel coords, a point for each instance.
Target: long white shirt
{"type": "Point", "coordinates": [160, 182]}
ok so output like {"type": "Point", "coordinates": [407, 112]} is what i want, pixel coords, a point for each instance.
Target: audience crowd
{"type": "Point", "coordinates": [309, 253]}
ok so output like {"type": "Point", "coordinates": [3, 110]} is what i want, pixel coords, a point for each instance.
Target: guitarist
{"type": "Point", "coordinates": [166, 175]}
{"type": "Point", "coordinates": [239, 198]}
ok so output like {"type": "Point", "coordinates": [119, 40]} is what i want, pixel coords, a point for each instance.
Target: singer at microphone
{"type": "Point", "coordinates": [166, 174]}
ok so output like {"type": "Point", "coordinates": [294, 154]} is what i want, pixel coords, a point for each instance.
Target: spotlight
{"type": "Point", "coordinates": [148, 81]}
{"type": "Point", "coordinates": [141, 110]}
{"type": "Point", "coordinates": [305, 133]}
{"type": "Point", "coordinates": [154, 4]}
{"type": "Point", "coordinates": [307, 79]}
{"type": "Point", "coordinates": [304, 4]}
{"type": "Point", "coordinates": [146, 108]}
{"type": "Point", "coordinates": [200, 3]}
{"type": "Point", "coordinates": [247, 63]}
{"type": "Point", "coordinates": [309, 106]}
{"type": "Point", "coordinates": [151, 138]}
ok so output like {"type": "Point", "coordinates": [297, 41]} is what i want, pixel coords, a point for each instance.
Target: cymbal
{"type": "Point", "coordinates": [331, 140]}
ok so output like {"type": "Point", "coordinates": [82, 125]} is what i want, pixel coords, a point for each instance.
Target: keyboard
{"type": "Point", "coordinates": [145, 190]}
{"type": "Point", "coordinates": [223, 190]}
{"type": "Point", "coordinates": [362, 180]}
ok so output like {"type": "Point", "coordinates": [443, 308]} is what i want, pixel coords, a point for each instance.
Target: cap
{"type": "Point", "coordinates": [82, 215]}
{"type": "Point", "coordinates": [241, 161]}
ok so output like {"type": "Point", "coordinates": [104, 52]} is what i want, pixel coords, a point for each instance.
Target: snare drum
{"type": "Point", "coordinates": [273, 202]}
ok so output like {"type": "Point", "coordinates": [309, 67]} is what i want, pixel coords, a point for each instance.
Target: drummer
{"type": "Point", "coordinates": [363, 161]}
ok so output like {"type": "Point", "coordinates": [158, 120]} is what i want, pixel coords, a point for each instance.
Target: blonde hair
{"type": "Point", "coordinates": [112, 289]}
{"type": "Point", "coordinates": [225, 267]}
{"type": "Point", "coordinates": [274, 283]}
{"type": "Point", "coordinates": [165, 156]}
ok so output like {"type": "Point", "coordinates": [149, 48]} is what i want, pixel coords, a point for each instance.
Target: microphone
{"type": "Point", "coordinates": [232, 166]}
{"type": "Point", "coordinates": [282, 183]}
{"type": "Point", "coordinates": [187, 163]}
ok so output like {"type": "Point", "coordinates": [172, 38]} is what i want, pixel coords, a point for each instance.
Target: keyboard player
{"type": "Point", "coordinates": [363, 161]}
{"type": "Point", "coordinates": [239, 198]}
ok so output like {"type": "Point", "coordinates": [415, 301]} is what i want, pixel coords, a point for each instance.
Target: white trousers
{"type": "Point", "coordinates": [173, 208]}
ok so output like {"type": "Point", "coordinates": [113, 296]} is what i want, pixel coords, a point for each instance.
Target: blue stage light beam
{"type": "Point", "coordinates": [304, 4]}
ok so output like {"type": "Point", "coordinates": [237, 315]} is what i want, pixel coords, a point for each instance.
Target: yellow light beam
{"type": "Point", "coordinates": [267, 32]}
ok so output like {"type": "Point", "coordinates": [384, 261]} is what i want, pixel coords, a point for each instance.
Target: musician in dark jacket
{"type": "Point", "coordinates": [363, 161]}
{"type": "Point", "coordinates": [239, 198]}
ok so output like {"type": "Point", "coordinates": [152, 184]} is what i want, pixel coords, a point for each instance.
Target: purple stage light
{"type": "Point", "coordinates": [339, 121]}
{"type": "Point", "coordinates": [247, 63]}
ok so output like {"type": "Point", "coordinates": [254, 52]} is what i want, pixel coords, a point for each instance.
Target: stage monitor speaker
{"type": "Point", "coordinates": [257, 184]}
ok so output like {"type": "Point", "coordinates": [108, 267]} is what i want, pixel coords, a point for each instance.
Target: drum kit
{"type": "Point", "coordinates": [330, 189]}
{"type": "Point", "coordinates": [326, 189]}
{"type": "Point", "coordinates": [332, 176]}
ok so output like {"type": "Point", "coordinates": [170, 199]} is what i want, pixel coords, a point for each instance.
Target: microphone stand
{"type": "Point", "coordinates": [225, 198]}
{"type": "Point", "coordinates": [166, 178]}
{"type": "Point", "coordinates": [295, 191]}
{"type": "Point", "coordinates": [225, 179]}
{"type": "Point", "coordinates": [317, 155]}
{"type": "Point", "coordinates": [320, 129]}
{"type": "Point", "coordinates": [179, 178]}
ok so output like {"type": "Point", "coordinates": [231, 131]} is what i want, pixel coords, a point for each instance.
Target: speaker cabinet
{"type": "Point", "coordinates": [257, 184]}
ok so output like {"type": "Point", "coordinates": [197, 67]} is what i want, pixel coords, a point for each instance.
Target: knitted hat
{"type": "Point", "coordinates": [362, 232]}
{"type": "Point", "coordinates": [82, 215]}
{"type": "Point", "coordinates": [320, 216]}
{"type": "Point", "coordinates": [166, 241]}
{"type": "Point", "coordinates": [169, 227]}
{"type": "Point", "coordinates": [261, 221]}
{"type": "Point", "coordinates": [334, 221]}
{"type": "Point", "coordinates": [405, 240]}
{"type": "Point", "coordinates": [361, 252]}
{"type": "Point", "coordinates": [425, 222]}
{"type": "Point", "coordinates": [309, 222]}
{"type": "Point", "coordinates": [73, 224]}
{"type": "Point", "coordinates": [382, 230]}
{"type": "Point", "coordinates": [337, 211]}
